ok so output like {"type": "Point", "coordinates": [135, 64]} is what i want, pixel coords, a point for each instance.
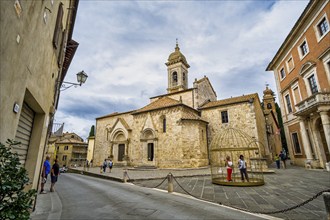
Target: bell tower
{"type": "Point", "coordinates": [177, 71]}
{"type": "Point", "coordinates": [269, 100]}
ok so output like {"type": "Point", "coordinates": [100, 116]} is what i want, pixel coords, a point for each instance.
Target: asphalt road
{"type": "Point", "coordinates": [84, 197]}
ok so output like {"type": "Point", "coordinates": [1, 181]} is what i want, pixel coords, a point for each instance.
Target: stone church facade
{"type": "Point", "coordinates": [175, 129]}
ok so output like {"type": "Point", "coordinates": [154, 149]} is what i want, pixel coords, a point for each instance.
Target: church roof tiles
{"type": "Point", "coordinates": [191, 116]}
{"type": "Point", "coordinates": [229, 101]}
{"type": "Point", "coordinates": [163, 102]}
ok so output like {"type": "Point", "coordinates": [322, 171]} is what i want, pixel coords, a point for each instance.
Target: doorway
{"type": "Point", "coordinates": [121, 152]}
{"type": "Point", "coordinates": [150, 151]}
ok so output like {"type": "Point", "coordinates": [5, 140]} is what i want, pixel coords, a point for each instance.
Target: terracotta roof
{"type": "Point", "coordinates": [114, 114]}
{"type": "Point", "coordinates": [70, 141]}
{"type": "Point", "coordinates": [229, 101]}
{"type": "Point", "coordinates": [191, 116]}
{"type": "Point", "coordinates": [163, 102]}
{"type": "Point", "coordinates": [172, 93]}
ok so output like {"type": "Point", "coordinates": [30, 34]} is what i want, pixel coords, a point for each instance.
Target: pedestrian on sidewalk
{"type": "Point", "coordinates": [105, 164]}
{"type": "Point", "coordinates": [87, 165]}
{"type": "Point", "coordinates": [283, 159]}
{"type": "Point", "coordinates": [242, 168]}
{"type": "Point", "coordinates": [229, 165]}
{"type": "Point", "coordinates": [110, 165]}
{"type": "Point", "coordinates": [277, 160]}
{"type": "Point", "coordinates": [44, 174]}
{"type": "Point", "coordinates": [54, 175]}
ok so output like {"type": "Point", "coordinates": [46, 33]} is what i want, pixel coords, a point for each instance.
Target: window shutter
{"type": "Point", "coordinates": [58, 26]}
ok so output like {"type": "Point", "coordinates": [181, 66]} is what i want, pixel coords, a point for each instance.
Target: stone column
{"type": "Point", "coordinates": [307, 146]}
{"type": "Point", "coordinates": [111, 150]}
{"type": "Point", "coordinates": [326, 126]}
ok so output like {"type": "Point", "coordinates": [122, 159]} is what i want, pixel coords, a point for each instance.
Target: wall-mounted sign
{"type": "Point", "coordinates": [16, 108]}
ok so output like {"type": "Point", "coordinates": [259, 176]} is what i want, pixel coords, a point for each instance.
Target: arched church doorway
{"type": "Point", "coordinates": [150, 151]}
{"type": "Point", "coordinates": [121, 152]}
{"type": "Point", "coordinates": [148, 142]}
{"type": "Point", "coordinates": [119, 146]}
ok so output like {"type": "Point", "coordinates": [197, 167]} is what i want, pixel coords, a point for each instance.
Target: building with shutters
{"type": "Point", "coordinates": [36, 52]}
{"type": "Point", "coordinates": [69, 149]}
{"type": "Point", "coordinates": [176, 129]}
{"type": "Point", "coordinates": [301, 68]}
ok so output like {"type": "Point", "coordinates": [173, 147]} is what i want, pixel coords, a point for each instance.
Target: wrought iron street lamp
{"type": "Point", "coordinates": [81, 78]}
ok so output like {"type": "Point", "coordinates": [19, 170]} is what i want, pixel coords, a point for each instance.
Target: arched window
{"type": "Point", "coordinates": [175, 78]}
{"type": "Point", "coordinates": [164, 125]}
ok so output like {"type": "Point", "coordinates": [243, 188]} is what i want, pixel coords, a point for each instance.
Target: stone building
{"type": "Point", "coordinates": [36, 51]}
{"type": "Point", "coordinates": [175, 130]}
{"type": "Point", "coordinates": [302, 73]}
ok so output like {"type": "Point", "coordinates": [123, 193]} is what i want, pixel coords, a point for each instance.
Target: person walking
{"type": "Point", "coordinates": [87, 165]}
{"type": "Point", "coordinates": [105, 165]}
{"type": "Point", "coordinates": [277, 160]}
{"type": "Point", "coordinates": [44, 174]}
{"type": "Point", "coordinates": [54, 175]}
{"type": "Point", "coordinates": [110, 166]}
{"type": "Point", "coordinates": [242, 168]}
{"type": "Point", "coordinates": [229, 165]}
{"type": "Point", "coordinates": [283, 159]}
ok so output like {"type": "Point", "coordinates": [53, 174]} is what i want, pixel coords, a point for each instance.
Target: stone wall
{"type": "Point", "coordinates": [204, 92]}
{"type": "Point", "coordinates": [183, 145]}
{"type": "Point", "coordinates": [240, 117]}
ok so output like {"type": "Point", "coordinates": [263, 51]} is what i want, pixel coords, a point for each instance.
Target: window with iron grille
{"type": "Point", "coordinates": [224, 116]}
{"type": "Point", "coordinates": [164, 125]}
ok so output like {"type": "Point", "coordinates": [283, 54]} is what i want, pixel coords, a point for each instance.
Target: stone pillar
{"type": "Point", "coordinates": [326, 126]}
{"type": "Point", "coordinates": [111, 150]}
{"type": "Point", "coordinates": [307, 146]}
{"type": "Point", "coordinates": [170, 183]}
{"type": "Point", "coordinates": [326, 197]}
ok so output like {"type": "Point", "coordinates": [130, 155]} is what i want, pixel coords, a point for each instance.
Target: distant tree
{"type": "Point", "coordinates": [15, 201]}
{"type": "Point", "coordinates": [280, 122]}
{"type": "Point", "coordinates": [92, 131]}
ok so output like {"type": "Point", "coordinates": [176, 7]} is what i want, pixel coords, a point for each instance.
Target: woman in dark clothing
{"type": "Point", "coordinates": [54, 175]}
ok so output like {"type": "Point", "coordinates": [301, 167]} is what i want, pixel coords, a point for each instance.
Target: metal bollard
{"type": "Point", "coordinates": [170, 183]}
{"type": "Point", "coordinates": [125, 176]}
{"type": "Point", "coordinates": [326, 198]}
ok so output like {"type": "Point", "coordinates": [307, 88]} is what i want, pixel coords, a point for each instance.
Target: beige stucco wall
{"type": "Point", "coordinates": [28, 71]}
{"type": "Point", "coordinates": [90, 151]}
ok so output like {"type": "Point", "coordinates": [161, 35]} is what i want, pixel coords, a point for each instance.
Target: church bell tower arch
{"type": "Point", "coordinates": [177, 71]}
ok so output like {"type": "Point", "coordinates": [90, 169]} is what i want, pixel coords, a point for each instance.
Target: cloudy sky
{"type": "Point", "coordinates": [124, 45]}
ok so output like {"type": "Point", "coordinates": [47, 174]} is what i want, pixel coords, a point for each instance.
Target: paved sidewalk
{"type": "Point", "coordinates": [283, 189]}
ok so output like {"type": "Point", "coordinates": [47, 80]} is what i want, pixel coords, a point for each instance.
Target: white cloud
{"type": "Point", "coordinates": [124, 45]}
